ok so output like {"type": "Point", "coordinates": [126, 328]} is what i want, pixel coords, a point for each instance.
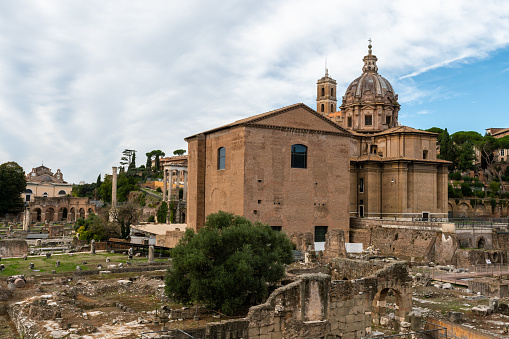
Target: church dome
{"type": "Point", "coordinates": [370, 104]}
{"type": "Point", "coordinates": [370, 84]}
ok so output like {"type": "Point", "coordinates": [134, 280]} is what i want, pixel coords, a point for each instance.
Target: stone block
{"type": "Point", "coordinates": [254, 332]}
{"type": "Point", "coordinates": [276, 335]}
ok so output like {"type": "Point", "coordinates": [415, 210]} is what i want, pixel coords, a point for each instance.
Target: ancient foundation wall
{"type": "Point", "coordinates": [316, 306]}
{"type": "Point", "coordinates": [456, 331]}
{"type": "Point", "coordinates": [420, 240]}
{"type": "Point", "coordinates": [13, 248]}
{"type": "Point", "coordinates": [490, 287]}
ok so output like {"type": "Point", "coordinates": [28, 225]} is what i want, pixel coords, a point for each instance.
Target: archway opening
{"type": "Point", "coordinates": [82, 213]}
{"type": "Point", "coordinates": [387, 310]}
{"type": "Point", "coordinates": [481, 243]}
{"type": "Point", "coordinates": [38, 213]}
{"type": "Point", "coordinates": [64, 213]}
{"type": "Point", "coordinates": [50, 214]}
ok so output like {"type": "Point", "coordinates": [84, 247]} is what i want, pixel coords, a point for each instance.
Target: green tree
{"type": "Point", "coordinates": [465, 157]}
{"type": "Point", "coordinates": [461, 137]}
{"type": "Point", "coordinates": [148, 165]}
{"type": "Point", "coordinates": [12, 184]}
{"type": "Point", "coordinates": [104, 191]}
{"type": "Point", "coordinates": [92, 228]}
{"type": "Point", "coordinates": [126, 215]}
{"type": "Point", "coordinates": [229, 264]}
{"type": "Point", "coordinates": [158, 153]}
{"type": "Point", "coordinates": [179, 152]}
{"type": "Point", "coordinates": [446, 147]}
{"type": "Point", "coordinates": [162, 212]}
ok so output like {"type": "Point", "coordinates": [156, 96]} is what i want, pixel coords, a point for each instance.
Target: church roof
{"type": "Point", "coordinates": [403, 129]}
{"type": "Point", "coordinates": [257, 120]}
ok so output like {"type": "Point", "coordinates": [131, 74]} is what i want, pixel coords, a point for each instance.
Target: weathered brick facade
{"type": "Point", "coordinates": [258, 180]}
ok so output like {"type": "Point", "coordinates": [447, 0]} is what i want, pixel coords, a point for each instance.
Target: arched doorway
{"type": "Point", "coordinates": [73, 215]}
{"type": "Point", "coordinates": [388, 301]}
{"type": "Point", "coordinates": [82, 213]}
{"type": "Point", "coordinates": [38, 214]}
{"type": "Point", "coordinates": [183, 218]}
{"type": "Point", "coordinates": [481, 243]}
{"type": "Point", "coordinates": [64, 214]}
{"type": "Point", "coordinates": [50, 214]}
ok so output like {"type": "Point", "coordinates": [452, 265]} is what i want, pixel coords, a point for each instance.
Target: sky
{"type": "Point", "coordinates": [80, 81]}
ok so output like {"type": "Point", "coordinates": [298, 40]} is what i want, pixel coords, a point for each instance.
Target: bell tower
{"type": "Point", "coordinates": [326, 101]}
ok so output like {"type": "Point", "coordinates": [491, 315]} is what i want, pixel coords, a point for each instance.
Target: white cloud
{"type": "Point", "coordinates": [81, 81]}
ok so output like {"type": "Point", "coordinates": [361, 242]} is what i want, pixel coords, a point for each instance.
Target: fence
{"type": "Point", "coordinates": [480, 223]}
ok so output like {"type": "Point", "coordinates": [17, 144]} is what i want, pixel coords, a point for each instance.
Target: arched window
{"type": "Point", "coordinates": [323, 92]}
{"type": "Point", "coordinates": [28, 190]}
{"type": "Point", "coordinates": [62, 192]}
{"type": "Point", "coordinates": [323, 108]}
{"type": "Point", "coordinates": [299, 156]}
{"type": "Point", "coordinates": [221, 158]}
{"type": "Point", "coordinates": [45, 194]}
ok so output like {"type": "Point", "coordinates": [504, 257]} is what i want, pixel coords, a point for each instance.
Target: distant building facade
{"type": "Point", "coordinates": [49, 198]}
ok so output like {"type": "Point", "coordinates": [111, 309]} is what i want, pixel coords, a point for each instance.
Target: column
{"type": "Point", "coordinates": [184, 196]}
{"type": "Point", "coordinates": [165, 184]}
{"type": "Point", "coordinates": [170, 189]}
{"type": "Point", "coordinates": [114, 188]}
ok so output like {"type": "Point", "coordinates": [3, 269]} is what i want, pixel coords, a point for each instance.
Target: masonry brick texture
{"type": "Point", "coordinates": [258, 181]}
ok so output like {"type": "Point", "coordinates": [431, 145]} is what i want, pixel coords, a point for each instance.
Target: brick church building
{"type": "Point", "coordinates": [301, 170]}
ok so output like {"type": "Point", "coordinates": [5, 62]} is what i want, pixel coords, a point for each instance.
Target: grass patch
{"type": "Point", "coordinates": [68, 263]}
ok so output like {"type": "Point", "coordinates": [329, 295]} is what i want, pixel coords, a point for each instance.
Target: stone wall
{"type": "Point", "coordinates": [13, 248]}
{"type": "Point", "coordinates": [421, 240]}
{"type": "Point", "coordinates": [456, 331]}
{"type": "Point", "coordinates": [334, 245]}
{"type": "Point", "coordinates": [170, 239]}
{"type": "Point", "coordinates": [475, 237]}
{"type": "Point", "coordinates": [315, 306]}
{"type": "Point", "coordinates": [472, 257]}
{"type": "Point", "coordinates": [490, 287]}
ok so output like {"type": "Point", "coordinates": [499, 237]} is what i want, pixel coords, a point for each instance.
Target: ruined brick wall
{"type": "Point", "coordinates": [334, 245]}
{"type": "Point", "coordinates": [316, 307]}
{"type": "Point", "coordinates": [170, 239]}
{"type": "Point", "coordinates": [470, 238]}
{"type": "Point", "coordinates": [13, 248]}
{"type": "Point", "coordinates": [456, 331]}
{"type": "Point", "coordinates": [348, 269]}
{"type": "Point", "coordinates": [490, 287]}
{"type": "Point", "coordinates": [465, 258]}
{"type": "Point", "coordinates": [421, 240]}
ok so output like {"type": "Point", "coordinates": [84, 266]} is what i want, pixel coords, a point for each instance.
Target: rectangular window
{"type": "Point", "coordinates": [299, 156]}
{"type": "Point", "coordinates": [502, 152]}
{"type": "Point", "coordinates": [320, 232]}
{"type": "Point", "coordinates": [27, 198]}
{"type": "Point", "coordinates": [221, 158]}
{"type": "Point", "coordinates": [373, 149]}
{"type": "Point", "coordinates": [361, 185]}
{"type": "Point", "coordinates": [387, 120]}
{"type": "Point", "coordinates": [276, 228]}
{"type": "Point", "coordinates": [349, 121]}
{"type": "Point", "coordinates": [425, 154]}
{"type": "Point", "coordinates": [368, 120]}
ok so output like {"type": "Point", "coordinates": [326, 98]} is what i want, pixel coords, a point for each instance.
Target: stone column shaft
{"type": "Point", "coordinates": [165, 183]}
{"type": "Point", "coordinates": [114, 187]}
